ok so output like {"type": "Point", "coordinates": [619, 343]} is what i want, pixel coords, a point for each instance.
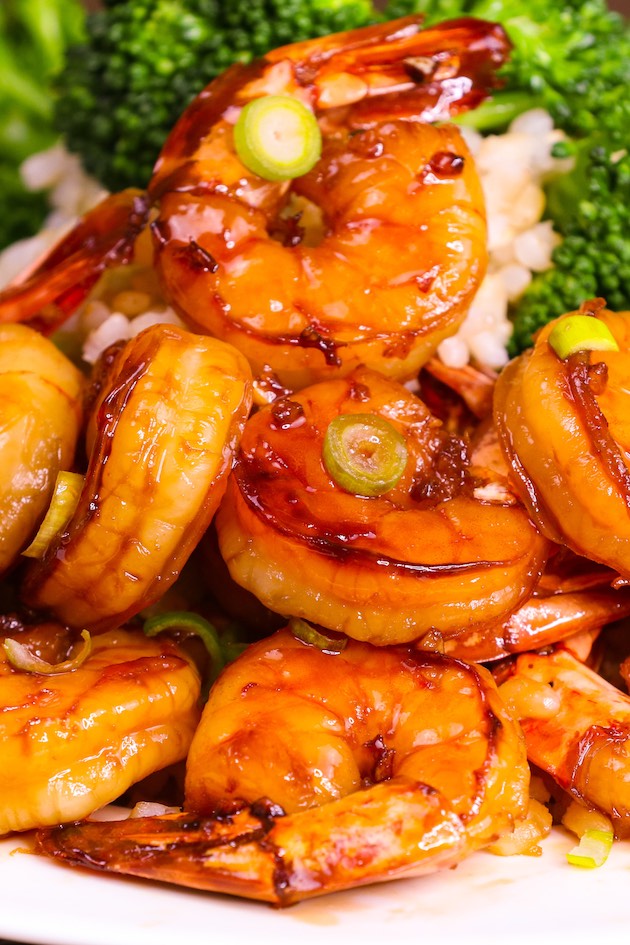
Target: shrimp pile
{"type": "Point", "coordinates": [266, 465]}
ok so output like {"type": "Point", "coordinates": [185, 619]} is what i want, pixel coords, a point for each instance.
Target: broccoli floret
{"type": "Point", "coordinates": [144, 60]}
{"type": "Point", "coordinates": [21, 212]}
{"type": "Point", "coordinates": [33, 38]}
{"type": "Point", "coordinates": [590, 208]}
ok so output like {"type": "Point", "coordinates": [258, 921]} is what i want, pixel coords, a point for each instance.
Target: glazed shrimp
{"type": "Point", "coordinates": [565, 432]}
{"type": "Point", "coordinates": [403, 247]}
{"type": "Point", "coordinates": [563, 604]}
{"type": "Point", "coordinates": [166, 427]}
{"type": "Point", "coordinates": [73, 742]}
{"type": "Point", "coordinates": [447, 547]}
{"type": "Point", "coordinates": [577, 729]}
{"type": "Point", "coordinates": [41, 408]}
{"type": "Point", "coordinates": [309, 730]}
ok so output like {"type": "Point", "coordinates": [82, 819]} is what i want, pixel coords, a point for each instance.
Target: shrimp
{"type": "Point", "coordinates": [565, 433]}
{"type": "Point", "coordinates": [71, 743]}
{"type": "Point", "coordinates": [577, 729]}
{"type": "Point", "coordinates": [563, 605]}
{"type": "Point", "coordinates": [376, 764]}
{"type": "Point", "coordinates": [166, 426]}
{"type": "Point", "coordinates": [103, 239]}
{"type": "Point", "coordinates": [448, 547]}
{"type": "Point", "coordinates": [41, 408]}
{"type": "Point", "coordinates": [403, 248]}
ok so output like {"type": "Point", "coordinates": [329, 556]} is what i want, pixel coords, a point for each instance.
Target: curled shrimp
{"type": "Point", "coordinates": [577, 729]}
{"type": "Point", "coordinates": [309, 730]}
{"type": "Point", "coordinates": [565, 432]}
{"type": "Point", "coordinates": [165, 430]}
{"type": "Point", "coordinates": [41, 408]}
{"type": "Point", "coordinates": [403, 247]}
{"type": "Point", "coordinates": [71, 743]}
{"type": "Point", "coordinates": [447, 547]}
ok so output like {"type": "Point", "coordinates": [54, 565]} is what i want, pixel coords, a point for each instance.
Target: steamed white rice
{"type": "Point", "coordinates": [513, 168]}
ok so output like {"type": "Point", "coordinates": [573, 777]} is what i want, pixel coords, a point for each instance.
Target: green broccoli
{"type": "Point", "coordinates": [145, 60]}
{"type": "Point", "coordinates": [21, 212]}
{"type": "Point", "coordinates": [571, 57]}
{"type": "Point", "coordinates": [590, 208]}
{"type": "Point", "coordinates": [33, 37]}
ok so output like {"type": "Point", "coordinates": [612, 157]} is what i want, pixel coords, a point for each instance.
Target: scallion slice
{"type": "Point", "coordinates": [21, 658]}
{"type": "Point", "coordinates": [592, 850]}
{"type": "Point", "coordinates": [277, 137]}
{"type": "Point", "coordinates": [581, 333]}
{"type": "Point", "coordinates": [192, 623]}
{"type": "Point", "coordinates": [364, 453]}
{"type": "Point", "coordinates": [64, 501]}
{"type": "Point", "coordinates": [310, 635]}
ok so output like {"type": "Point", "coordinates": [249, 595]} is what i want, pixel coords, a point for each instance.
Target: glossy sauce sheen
{"type": "Point", "coordinates": [564, 431]}
{"type": "Point", "coordinates": [165, 428]}
{"type": "Point", "coordinates": [386, 569]}
{"type": "Point", "coordinates": [313, 772]}
{"type": "Point", "coordinates": [402, 248]}
{"type": "Point", "coordinates": [72, 743]}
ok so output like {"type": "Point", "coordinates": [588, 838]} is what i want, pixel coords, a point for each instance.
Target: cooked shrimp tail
{"type": "Point", "coordinates": [103, 238]}
{"type": "Point", "coordinates": [388, 831]}
{"type": "Point", "coordinates": [402, 70]}
{"type": "Point", "coordinates": [541, 621]}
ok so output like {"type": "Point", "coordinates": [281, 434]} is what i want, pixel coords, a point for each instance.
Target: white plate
{"type": "Point", "coordinates": [486, 900]}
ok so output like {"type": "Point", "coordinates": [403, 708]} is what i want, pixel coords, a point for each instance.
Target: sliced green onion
{"type": "Point", "coordinates": [592, 850]}
{"type": "Point", "coordinates": [581, 333]}
{"type": "Point", "coordinates": [277, 137]}
{"type": "Point", "coordinates": [309, 634]}
{"type": "Point", "coordinates": [21, 658]}
{"type": "Point", "coordinates": [192, 623]}
{"type": "Point", "coordinates": [364, 453]}
{"type": "Point", "coordinates": [64, 501]}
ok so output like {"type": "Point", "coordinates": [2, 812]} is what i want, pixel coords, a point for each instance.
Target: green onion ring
{"type": "Point", "coordinates": [364, 453]}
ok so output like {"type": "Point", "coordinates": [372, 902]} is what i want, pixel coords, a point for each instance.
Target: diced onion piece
{"type": "Point", "coordinates": [21, 658]}
{"type": "Point", "coordinates": [526, 834]}
{"type": "Point", "coordinates": [592, 850]}
{"type": "Point", "coordinates": [175, 620]}
{"type": "Point", "coordinates": [277, 137]}
{"type": "Point", "coordinates": [578, 819]}
{"type": "Point", "coordinates": [310, 635]}
{"type": "Point", "coordinates": [581, 333]}
{"type": "Point", "coordinates": [364, 453]}
{"type": "Point", "coordinates": [66, 494]}
{"type": "Point", "coordinates": [152, 809]}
